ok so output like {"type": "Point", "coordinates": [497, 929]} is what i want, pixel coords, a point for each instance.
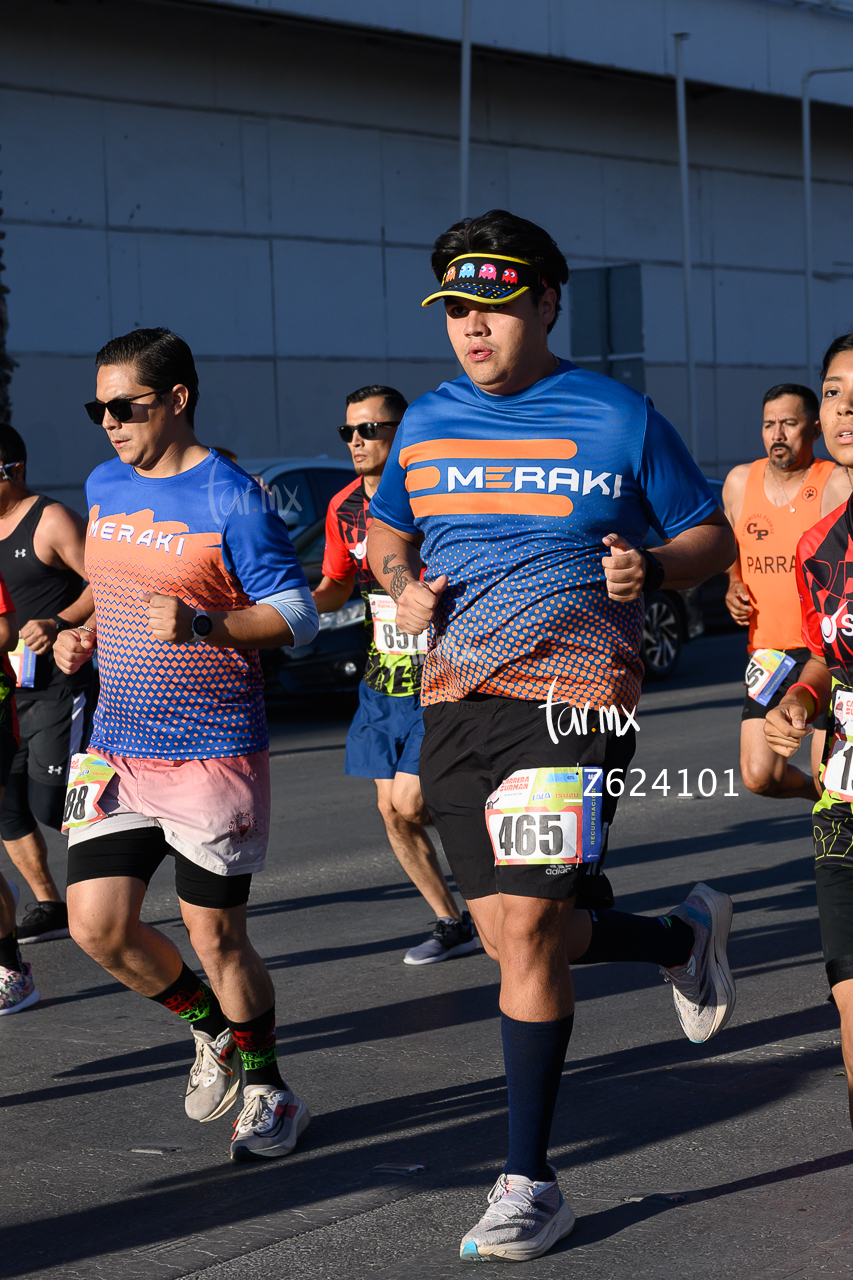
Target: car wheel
{"type": "Point", "coordinates": [661, 647]}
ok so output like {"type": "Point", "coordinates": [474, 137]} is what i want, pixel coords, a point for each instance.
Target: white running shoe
{"type": "Point", "coordinates": [269, 1124]}
{"type": "Point", "coordinates": [703, 989]}
{"type": "Point", "coordinates": [215, 1076]}
{"type": "Point", "coordinates": [524, 1220]}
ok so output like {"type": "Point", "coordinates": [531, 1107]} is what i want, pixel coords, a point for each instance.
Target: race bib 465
{"type": "Point", "coordinates": [540, 816]}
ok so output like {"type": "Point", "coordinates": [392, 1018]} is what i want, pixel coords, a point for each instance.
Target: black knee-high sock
{"type": "Point", "coordinates": [663, 940]}
{"type": "Point", "coordinates": [534, 1054]}
{"type": "Point", "coordinates": [258, 1052]}
{"type": "Point", "coordinates": [10, 956]}
{"type": "Point", "coordinates": [193, 1000]}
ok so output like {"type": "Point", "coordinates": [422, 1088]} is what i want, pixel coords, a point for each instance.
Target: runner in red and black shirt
{"type": "Point", "coordinates": [825, 580]}
{"type": "Point", "coordinates": [384, 740]}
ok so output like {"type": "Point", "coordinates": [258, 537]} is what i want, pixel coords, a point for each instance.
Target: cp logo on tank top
{"type": "Point", "coordinates": [758, 527]}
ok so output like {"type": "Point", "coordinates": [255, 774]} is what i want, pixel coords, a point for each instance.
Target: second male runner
{"type": "Point", "coordinates": [384, 741]}
{"type": "Point", "coordinates": [192, 571]}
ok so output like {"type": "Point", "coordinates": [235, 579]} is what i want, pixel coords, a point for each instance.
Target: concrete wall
{"type": "Point", "coordinates": [271, 190]}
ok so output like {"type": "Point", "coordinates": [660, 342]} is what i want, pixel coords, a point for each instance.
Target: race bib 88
{"type": "Point", "coordinates": [87, 781]}
{"type": "Point", "coordinates": [540, 816]}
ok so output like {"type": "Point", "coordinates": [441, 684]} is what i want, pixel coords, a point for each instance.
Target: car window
{"type": "Point", "coordinates": [312, 551]}
{"type": "Point", "coordinates": [326, 482]}
{"type": "Point", "coordinates": [293, 498]}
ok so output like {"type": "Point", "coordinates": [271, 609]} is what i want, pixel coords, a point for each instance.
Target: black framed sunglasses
{"type": "Point", "coordinates": [367, 430]}
{"type": "Point", "coordinates": [121, 408]}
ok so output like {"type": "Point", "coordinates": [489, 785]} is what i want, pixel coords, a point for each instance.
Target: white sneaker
{"type": "Point", "coordinates": [703, 989]}
{"type": "Point", "coordinates": [215, 1076]}
{"type": "Point", "coordinates": [269, 1124]}
{"type": "Point", "coordinates": [524, 1220]}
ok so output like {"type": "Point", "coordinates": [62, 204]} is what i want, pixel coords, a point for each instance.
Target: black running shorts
{"type": "Point", "coordinates": [753, 710]}
{"type": "Point", "coordinates": [469, 749]}
{"type": "Point", "coordinates": [833, 837]}
{"type": "Point", "coordinates": [138, 853]}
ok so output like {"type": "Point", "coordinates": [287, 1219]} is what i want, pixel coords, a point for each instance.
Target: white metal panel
{"type": "Point", "coordinates": [420, 187]}
{"type": "Point", "coordinates": [759, 318]}
{"type": "Point", "coordinates": [411, 327]}
{"type": "Point", "coordinates": [57, 282]}
{"type": "Point", "coordinates": [213, 290]}
{"type": "Point", "coordinates": [325, 180]}
{"type": "Point", "coordinates": [52, 159]}
{"type": "Point", "coordinates": [173, 169]}
{"type": "Point", "coordinates": [757, 220]}
{"type": "Point", "coordinates": [329, 300]}
{"type": "Point", "coordinates": [563, 193]}
{"type": "Point", "coordinates": [642, 211]}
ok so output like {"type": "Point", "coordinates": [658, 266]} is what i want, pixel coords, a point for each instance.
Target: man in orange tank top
{"type": "Point", "coordinates": [770, 504]}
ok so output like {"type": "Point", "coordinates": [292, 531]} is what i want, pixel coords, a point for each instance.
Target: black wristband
{"type": "Point", "coordinates": [655, 572]}
{"type": "Point", "coordinates": [61, 624]}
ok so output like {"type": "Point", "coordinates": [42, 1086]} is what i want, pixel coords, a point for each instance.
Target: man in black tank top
{"type": "Point", "coordinates": [41, 559]}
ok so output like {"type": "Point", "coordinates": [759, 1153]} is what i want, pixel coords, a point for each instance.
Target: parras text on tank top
{"type": "Point", "coordinates": [767, 538]}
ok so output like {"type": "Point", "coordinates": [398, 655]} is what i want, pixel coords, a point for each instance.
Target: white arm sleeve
{"type": "Point", "coordinates": [297, 607]}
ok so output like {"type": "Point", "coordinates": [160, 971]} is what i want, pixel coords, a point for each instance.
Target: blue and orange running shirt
{"type": "Point", "coordinates": [214, 538]}
{"type": "Point", "coordinates": [513, 495]}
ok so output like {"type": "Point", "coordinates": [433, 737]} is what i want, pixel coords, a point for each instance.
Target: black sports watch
{"type": "Point", "coordinates": [655, 572]}
{"type": "Point", "coordinates": [62, 624]}
{"type": "Point", "coordinates": [201, 625]}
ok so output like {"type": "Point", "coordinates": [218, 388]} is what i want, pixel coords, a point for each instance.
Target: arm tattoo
{"type": "Point", "coordinates": [399, 576]}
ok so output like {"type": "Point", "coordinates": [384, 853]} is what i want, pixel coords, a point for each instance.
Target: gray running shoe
{"type": "Point", "coordinates": [524, 1220]}
{"type": "Point", "coordinates": [449, 938]}
{"type": "Point", "coordinates": [703, 990]}
{"type": "Point", "coordinates": [215, 1077]}
{"type": "Point", "coordinates": [269, 1124]}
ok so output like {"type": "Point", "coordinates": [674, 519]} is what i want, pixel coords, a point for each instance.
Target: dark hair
{"type": "Point", "coordinates": [505, 233]}
{"type": "Point", "coordinates": [394, 402]}
{"type": "Point", "coordinates": [12, 447]}
{"type": "Point", "coordinates": [808, 397]}
{"type": "Point", "coordinates": [162, 360]}
{"type": "Point", "coordinates": [844, 343]}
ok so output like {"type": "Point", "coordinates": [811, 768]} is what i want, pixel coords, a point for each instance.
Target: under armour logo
{"type": "Point", "coordinates": [54, 768]}
{"type": "Point", "coordinates": [22, 552]}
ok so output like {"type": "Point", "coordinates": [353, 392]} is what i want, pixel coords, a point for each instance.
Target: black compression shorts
{"type": "Point", "coordinates": [138, 853]}
{"type": "Point", "coordinates": [753, 710]}
{"type": "Point", "coordinates": [469, 749]}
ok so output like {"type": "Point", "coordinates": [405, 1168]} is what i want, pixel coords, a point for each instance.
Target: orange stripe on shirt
{"type": "Point", "coordinates": [514, 504]}
{"type": "Point", "coordinates": [433, 450]}
{"type": "Point", "coordinates": [423, 478]}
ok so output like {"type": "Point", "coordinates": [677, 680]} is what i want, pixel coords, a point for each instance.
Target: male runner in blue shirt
{"type": "Point", "coordinates": [508, 484]}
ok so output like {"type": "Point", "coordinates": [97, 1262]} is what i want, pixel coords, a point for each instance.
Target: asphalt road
{"type": "Point", "coordinates": [724, 1160]}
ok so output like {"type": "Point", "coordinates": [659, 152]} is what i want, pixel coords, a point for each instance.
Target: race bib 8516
{"type": "Point", "coordinates": [540, 816]}
{"type": "Point", "coordinates": [386, 636]}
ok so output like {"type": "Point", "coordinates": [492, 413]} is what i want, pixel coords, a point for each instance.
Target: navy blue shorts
{"type": "Point", "coordinates": [385, 736]}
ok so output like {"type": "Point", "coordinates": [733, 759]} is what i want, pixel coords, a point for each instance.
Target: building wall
{"type": "Point", "coordinates": [271, 190]}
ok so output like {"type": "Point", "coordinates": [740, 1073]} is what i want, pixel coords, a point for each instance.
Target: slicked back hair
{"type": "Point", "coordinates": [808, 397]}
{"type": "Point", "coordinates": [161, 359]}
{"type": "Point", "coordinates": [395, 404]}
{"type": "Point", "coordinates": [507, 235]}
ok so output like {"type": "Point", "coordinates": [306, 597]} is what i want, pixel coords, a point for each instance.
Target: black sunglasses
{"type": "Point", "coordinates": [367, 430]}
{"type": "Point", "coordinates": [121, 408]}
